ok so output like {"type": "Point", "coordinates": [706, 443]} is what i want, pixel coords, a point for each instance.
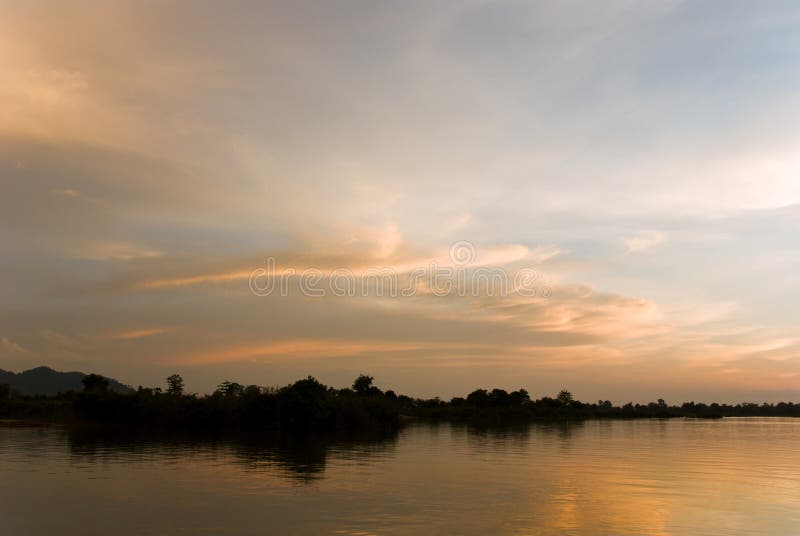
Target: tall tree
{"type": "Point", "coordinates": [175, 385]}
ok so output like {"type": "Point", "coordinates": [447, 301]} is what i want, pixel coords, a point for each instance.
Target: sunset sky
{"type": "Point", "coordinates": [642, 157]}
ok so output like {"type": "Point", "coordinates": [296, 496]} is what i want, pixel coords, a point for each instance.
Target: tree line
{"type": "Point", "coordinates": [308, 404]}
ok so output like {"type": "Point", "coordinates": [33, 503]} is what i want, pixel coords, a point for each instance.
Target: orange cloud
{"type": "Point", "coordinates": [315, 348]}
{"type": "Point", "coordinates": [139, 333]}
{"type": "Point", "coordinates": [221, 277]}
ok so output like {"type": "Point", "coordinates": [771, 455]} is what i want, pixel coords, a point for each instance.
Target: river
{"type": "Point", "coordinates": [653, 477]}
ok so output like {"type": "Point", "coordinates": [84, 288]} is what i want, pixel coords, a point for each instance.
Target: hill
{"type": "Point", "coordinates": [49, 382]}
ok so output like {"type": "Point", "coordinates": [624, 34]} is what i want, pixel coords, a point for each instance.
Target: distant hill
{"type": "Point", "coordinates": [46, 381]}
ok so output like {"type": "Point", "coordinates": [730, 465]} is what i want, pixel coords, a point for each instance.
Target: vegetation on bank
{"type": "Point", "coordinates": [308, 404]}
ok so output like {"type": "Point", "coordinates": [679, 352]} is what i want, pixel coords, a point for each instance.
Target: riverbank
{"type": "Point", "coordinates": [309, 405]}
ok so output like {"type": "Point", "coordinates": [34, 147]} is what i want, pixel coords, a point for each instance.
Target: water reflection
{"type": "Point", "coordinates": [735, 476]}
{"type": "Point", "coordinates": [297, 456]}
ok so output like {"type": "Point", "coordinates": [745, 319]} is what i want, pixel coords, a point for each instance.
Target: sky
{"type": "Point", "coordinates": [636, 162]}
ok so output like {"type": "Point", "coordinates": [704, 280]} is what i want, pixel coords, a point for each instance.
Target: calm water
{"type": "Point", "coordinates": [734, 476]}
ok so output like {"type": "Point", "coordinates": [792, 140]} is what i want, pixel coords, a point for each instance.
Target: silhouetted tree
{"type": "Point", "coordinates": [227, 388]}
{"type": "Point", "coordinates": [363, 384]}
{"type": "Point", "coordinates": [304, 402]}
{"type": "Point", "coordinates": [175, 385]}
{"type": "Point", "coordinates": [478, 397]}
{"type": "Point", "coordinates": [520, 398]}
{"type": "Point", "coordinates": [252, 391]}
{"type": "Point", "coordinates": [500, 397]}
{"type": "Point", "coordinates": [94, 383]}
{"type": "Point", "coordinates": [564, 396]}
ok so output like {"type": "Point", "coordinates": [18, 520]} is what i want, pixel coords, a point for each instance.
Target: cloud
{"type": "Point", "coordinates": [360, 256]}
{"type": "Point", "coordinates": [66, 192]}
{"type": "Point", "coordinates": [221, 277]}
{"type": "Point", "coordinates": [143, 185]}
{"type": "Point", "coordinates": [52, 86]}
{"type": "Point", "coordinates": [112, 251]}
{"type": "Point", "coordinates": [644, 241]}
{"type": "Point", "coordinates": [139, 333]}
{"type": "Point", "coordinates": [306, 348]}
{"type": "Point", "coordinates": [10, 347]}
{"type": "Point", "coordinates": [458, 223]}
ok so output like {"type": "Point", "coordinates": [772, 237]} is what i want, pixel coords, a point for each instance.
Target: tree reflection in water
{"type": "Point", "coordinates": [298, 456]}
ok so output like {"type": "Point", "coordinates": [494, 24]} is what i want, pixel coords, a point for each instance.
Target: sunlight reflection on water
{"type": "Point", "coordinates": [732, 476]}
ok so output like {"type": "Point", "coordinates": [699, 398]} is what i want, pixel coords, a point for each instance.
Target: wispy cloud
{"type": "Point", "coordinates": [644, 241]}
{"type": "Point", "coordinates": [66, 192]}
{"type": "Point", "coordinates": [139, 333]}
{"type": "Point", "coordinates": [10, 347]}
